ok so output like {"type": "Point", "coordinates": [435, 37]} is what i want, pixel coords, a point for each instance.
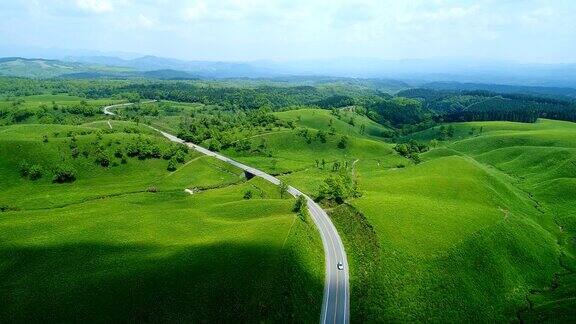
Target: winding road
{"type": "Point", "coordinates": [336, 300]}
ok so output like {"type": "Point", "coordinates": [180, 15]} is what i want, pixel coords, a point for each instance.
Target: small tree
{"type": "Point", "coordinates": [24, 168]}
{"type": "Point", "coordinates": [214, 145]}
{"type": "Point", "coordinates": [343, 142]}
{"type": "Point", "coordinates": [283, 189]}
{"type": "Point", "coordinates": [248, 194]}
{"type": "Point", "coordinates": [35, 172]}
{"type": "Point", "coordinates": [63, 174]}
{"type": "Point", "coordinates": [415, 157]}
{"type": "Point", "coordinates": [45, 138]}
{"type": "Point", "coordinates": [172, 164]}
{"type": "Point", "coordinates": [321, 135]}
{"type": "Point", "coordinates": [300, 207]}
{"type": "Point", "coordinates": [180, 156]}
{"type": "Point", "coordinates": [300, 204]}
{"type": "Point", "coordinates": [333, 188]}
{"type": "Point", "coordinates": [103, 159]}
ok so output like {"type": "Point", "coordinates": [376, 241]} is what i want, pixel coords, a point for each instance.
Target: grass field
{"type": "Point", "coordinates": [470, 234]}
{"type": "Point", "coordinates": [482, 230]}
{"type": "Point", "coordinates": [108, 248]}
{"type": "Point", "coordinates": [34, 102]}
{"type": "Point", "coordinates": [295, 160]}
{"type": "Point", "coordinates": [51, 109]}
{"type": "Point", "coordinates": [345, 123]}
{"type": "Point", "coordinates": [473, 232]}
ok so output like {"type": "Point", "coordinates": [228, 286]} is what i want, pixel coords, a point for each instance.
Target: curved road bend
{"type": "Point", "coordinates": [336, 300]}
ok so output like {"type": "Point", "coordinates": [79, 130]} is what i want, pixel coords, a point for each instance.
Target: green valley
{"type": "Point", "coordinates": [441, 220]}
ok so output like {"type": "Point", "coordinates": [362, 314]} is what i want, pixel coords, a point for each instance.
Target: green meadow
{"type": "Point", "coordinates": [482, 230]}
{"type": "Point", "coordinates": [126, 243]}
{"type": "Point", "coordinates": [481, 227]}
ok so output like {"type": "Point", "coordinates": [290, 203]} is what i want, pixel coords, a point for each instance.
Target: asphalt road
{"type": "Point", "coordinates": [336, 300]}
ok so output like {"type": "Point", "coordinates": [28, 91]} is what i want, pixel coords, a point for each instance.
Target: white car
{"type": "Point", "coordinates": [340, 266]}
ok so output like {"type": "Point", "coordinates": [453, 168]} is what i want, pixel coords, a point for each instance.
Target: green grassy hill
{"type": "Point", "coordinates": [124, 242]}
{"type": "Point", "coordinates": [489, 219]}
{"type": "Point", "coordinates": [43, 68]}
{"type": "Point", "coordinates": [345, 123]}
{"type": "Point", "coordinates": [481, 230]}
{"type": "Point", "coordinates": [51, 109]}
{"type": "Point", "coordinates": [469, 234]}
{"type": "Point", "coordinates": [304, 160]}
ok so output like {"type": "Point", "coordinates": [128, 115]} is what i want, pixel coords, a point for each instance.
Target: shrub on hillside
{"type": "Point", "coordinates": [24, 168]}
{"type": "Point", "coordinates": [103, 159]}
{"type": "Point", "coordinates": [214, 145]}
{"type": "Point", "coordinates": [283, 186]}
{"type": "Point", "coordinates": [35, 172]}
{"type": "Point", "coordinates": [321, 135]}
{"type": "Point", "coordinates": [63, 174]}
{"type": "Point", "coordinates": [144, 149]}
{"type": "Point", "coordinates": [300, 206]}
{"type": "Point", "coordinates": [411, 150]}
{"type": "Point", "coordinates": [343, 142]}
{"type": "Point", "coordinates": [172, 164]}
{"type": "Point", "coordinates": [338, 188]}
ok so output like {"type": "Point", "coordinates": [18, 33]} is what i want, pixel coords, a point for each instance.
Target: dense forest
{"type": "Point", "coordinates": [408, 110]}
{"type": "Point", "coordinates": [481, 105]}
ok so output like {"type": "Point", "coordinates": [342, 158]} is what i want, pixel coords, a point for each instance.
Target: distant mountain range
{"type": "Point", "coordinates": [415, 71]}
{"type": "Point", "coordinates": [441, 74]}
{"type": "Point", "coordinates": [43, 68]}
{"type": "Point", "coordinates": [205, 69]}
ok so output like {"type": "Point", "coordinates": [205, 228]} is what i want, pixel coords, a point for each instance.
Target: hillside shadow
{"type": "Point", "coordinates": [146, 283]}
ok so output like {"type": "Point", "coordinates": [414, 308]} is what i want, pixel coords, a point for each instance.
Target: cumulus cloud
{"type": "Point", "coordinates": [255, 29]}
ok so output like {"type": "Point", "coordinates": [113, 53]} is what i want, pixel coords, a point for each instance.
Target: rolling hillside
{"type": "Point", "coordinates": [472, 231]}
{"type": "Point", "coordinates": [43, 68]}
{"type": "Point", "coordinates": [480, 227]}
{"type": "Point", "coordinates": [536, 163]}
{"type": "Point", "coordinates": [123, 229]}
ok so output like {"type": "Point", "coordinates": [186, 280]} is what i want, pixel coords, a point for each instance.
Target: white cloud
{"type": "Point", "coordinates": [196, 11]}
{"type": "Point", "coordinates": [253, 29]}
{"type": "Point", "coordinates": [96, 6]}
{"type": "Point", "coordinates": [144, 21]}
{"type": "Point", "coordinates": [536, 16]}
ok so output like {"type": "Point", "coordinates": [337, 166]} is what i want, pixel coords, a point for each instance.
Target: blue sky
{"type": "Point", "coordinates": [240, 30]}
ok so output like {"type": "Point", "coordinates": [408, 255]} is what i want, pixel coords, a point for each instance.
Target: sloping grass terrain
{"type": "Point", "coordinates": [457, 242]}
{"type": "Point", "coordinates": [50, 109]}
{"type": "Point", "coordinates": [43, 68]}
{"type": "Point", "coordinates": [344, 122]}
{"type": "Point", "coordinates": [483, 230]}
{"type": "Point", "coordinates": [469, 234]}
{"type": "Point", "coordinates": [123, 242]}
{"type": "Point", "coordinates": [462, 236]}
{"type": "Point", "coordinates": [306, 155]}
